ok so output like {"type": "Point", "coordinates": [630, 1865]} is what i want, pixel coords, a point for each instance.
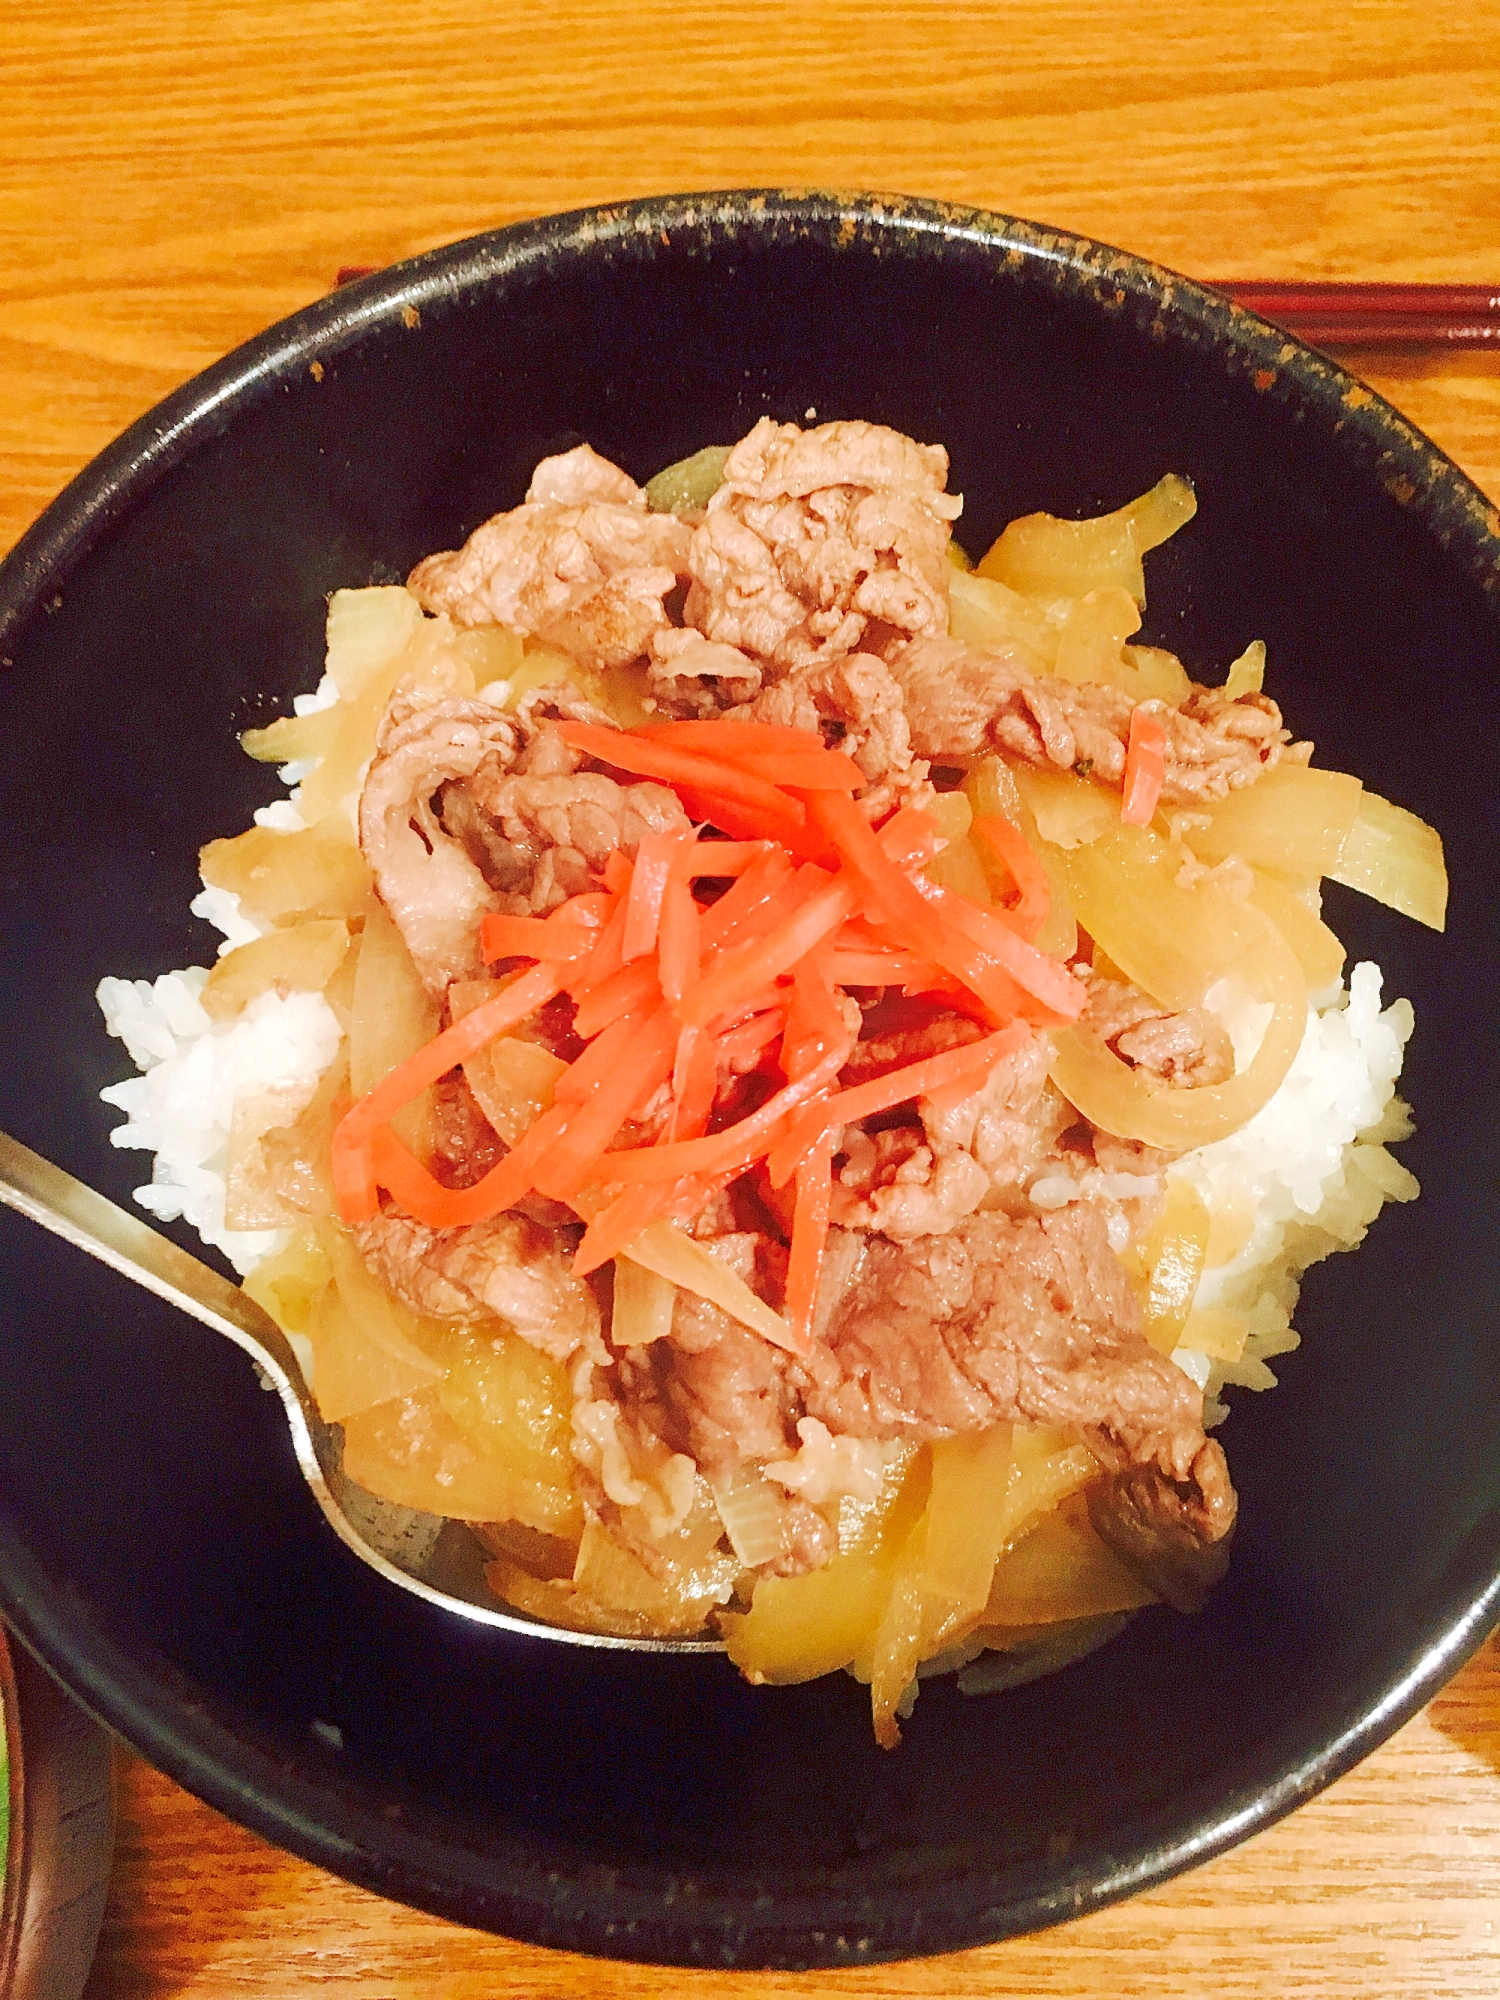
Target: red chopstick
{"type": "Point", "coordinates": [1340, 312]}
{"type": "Point", "coordinates": [1354, 313]}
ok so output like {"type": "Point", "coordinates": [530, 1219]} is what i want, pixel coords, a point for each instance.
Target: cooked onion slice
{"type": "Point", "coordinates": [1177, 1249]}
{"type": "Point", "coordinates": [1247, 674]}
{"type": "Point", "coordinates": [1062, 1571]}
{"type": "Point", "coordinates": [1134, 1105]}
{"type": "Point", "coordinates": [1293, 818]}
{"type": "Point", "coordinates": [665, 1249]}
{"type": "Point", "coordinates": [1319, 952]}
{"type": "Point", "coordinates": [1397, 858]}
{"type": "Point", "coordinates": [1174, 942]}
{"type": "Point", "coordinates": [754, 1515]}
{"type": "Point", "coordinates": [642, 1308]}
{"type": "Point", "coordinates": [1045, 557]}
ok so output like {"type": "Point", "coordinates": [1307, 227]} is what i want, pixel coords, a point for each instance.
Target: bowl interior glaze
{"type": "Point", "coordinates": [157, 1546]}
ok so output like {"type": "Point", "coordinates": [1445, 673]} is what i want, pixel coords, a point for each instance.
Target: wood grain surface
{"type": "Point", "coordinates": [1386, 1886]}
{"type": "Point", "coordinates": [176, 175]}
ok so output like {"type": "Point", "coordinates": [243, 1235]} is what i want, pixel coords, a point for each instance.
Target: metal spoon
{"type": "Point", "coordinates": [435, 1559]}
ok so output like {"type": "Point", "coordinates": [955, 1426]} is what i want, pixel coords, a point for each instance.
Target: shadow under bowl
{"type": "Point", "coordinates": [157, 1547]}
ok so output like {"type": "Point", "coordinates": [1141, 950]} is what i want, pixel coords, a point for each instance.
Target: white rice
{"type": "Point", "coordinates": [193, 1069]}
{"type": "Point", "coordinates": [1313, 1162]}
{"type": "Point", "coordinates": [221, 908]}
{"type": "Point", "coordinates": [180, 1109]}
{"type": "Point", "coordinates": [1312, 1166]}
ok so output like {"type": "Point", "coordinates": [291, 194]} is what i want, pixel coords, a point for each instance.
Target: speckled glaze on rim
{"type": "Point", "coordinates": [1163, 303]}
{"type": "Point", "coordinates": [624, 1895]}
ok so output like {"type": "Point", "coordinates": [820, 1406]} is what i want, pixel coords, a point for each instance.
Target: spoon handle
{"type": "Point", "coordinates": [398, 1542]}
{"type": "Point", "coordinates": [75, 1212]}
{"type": "Point", "coordinates": [88, 1221]}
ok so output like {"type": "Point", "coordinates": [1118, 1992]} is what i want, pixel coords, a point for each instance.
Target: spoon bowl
{"type": "Point", "coordinates": [435, 1559]}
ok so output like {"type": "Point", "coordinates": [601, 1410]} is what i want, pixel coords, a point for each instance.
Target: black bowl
{"type": "Point", "coordinates": [157, 1547]}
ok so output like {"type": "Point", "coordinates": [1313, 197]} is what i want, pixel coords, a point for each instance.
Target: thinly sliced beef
{"type": "Point", "coordinates": [689, 675]}
{"type": "Point", "coordinates": [922, 1179]}
{"type": "Point", "coordinates": [960, 702]}
{"type": "Point", "coordinates": [468, 808]}
{"type": "Point", "coordinates": [1031, 1321]}
{"type": "Point", "coordinates": [435, 891]}
{"type": "Point", "coordinates": [464, 1143]}
{"type": "Point", "coordinates": [810, 1540]}
{"type": "Point", "coordinates": [545, 835]}
{"type": "Point", "coordinates": [816, 537]}
{"type": "Point", "coordinates": [997, 1320]}
{"type": "Point", "coordinates": [1012, 1125]}
{"type": "Point", "coordinates": [717, 1391]}
{"type": "Point", "coordinates": [893, 1181]}
{"type": "Point", "coordinates": [1185, 1049]}
{"type": "Point", "coordinates": [851, 700]}
{"type": "Point", "coordinates": [508, 1267]}
{"type": "Point", "coordinates": [580, 564]}
{"type": "Point", "coordinates": [923, 1032]}
{"type": "Point", "coordinates": [1173, 1532]}
{"type": "Point", "coordinates": [577, 477]}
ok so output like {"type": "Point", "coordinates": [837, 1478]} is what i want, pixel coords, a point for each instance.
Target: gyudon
{"type": "Point", "coordinates": [779, 1075]}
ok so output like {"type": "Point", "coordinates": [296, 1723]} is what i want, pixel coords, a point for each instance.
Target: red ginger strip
{"type": "Point", "coordinates": [759, 809]}
{"type": "Point", "coordinates": [764, 1000]}
{"type": "Point", "coordinates": [730, 1151]}
{"type": "Point", "coordinates": [724, 857]}
{"type": "Point", "coordinates": [973, 1061]}
{"type": "Point", "coordinates": [910, 838]}
{"type": "Point", "coordinates": [1145, 768]}
{"type": "Point", "coordinates": [891, 899]}
{"type": "Point", "coordinates": [414, 1189]}
{"type": "Point", "coordinates": [599, 1064]}
{"type": "Point", "coordinates": [547, 1154]}
{"type": "Point", "coordinates": [678, 948]}
{"type": "Point", "coordinates": [815, 771]}
{"type": "Point", "coordinates": [765, 884]}
{"type": "Point", "coordinates": [695, 1083]}
{"type": "Point", "coordinates": [738, 1045]}
{"type": "Point", "coordinates": [616, 1226]}
{"type": "Point", "coordinates": [625, 991]}
{"type": "Point", "coordinates": [354, 1183]}
{"type": "Point", "coordinates": [531, 937]}
{"type": "Point", "coordinates": [640, 1062]}
{"type": "Point", "coordinates": [695, 1078]}
{"type": "Point", "coordinates": [656, 856]}
{"type": "Point", "coordinates": [1020, 860]}
{"type": "Point", "coordinates": [1041, 990]}
{"type": "Point", "coordinates": [809, 1237]}
{"type": "Point", "coordinates": [735, 733]}
{"type": "Point", "coordinates": [750, 966]}
{"type": "Point", "coordinates": [854, 965]}
{"type": "Point", "coordinates": [815, 1022]}
{"type": "Point", "coordinates": [775, 751]}
{"type": "Point", "coordinates": [608, 955]}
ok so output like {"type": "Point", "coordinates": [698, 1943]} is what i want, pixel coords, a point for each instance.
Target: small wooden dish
{"type": "Point", "coordinates": [58, 1837]}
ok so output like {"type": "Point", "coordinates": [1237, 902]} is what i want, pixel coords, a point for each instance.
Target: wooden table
{"type": "Point", "coordinates": [175, 176]}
